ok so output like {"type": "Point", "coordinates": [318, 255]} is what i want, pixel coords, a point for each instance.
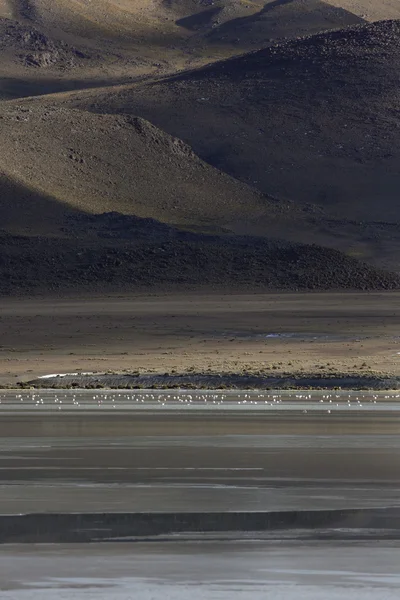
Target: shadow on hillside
{"type": "Point", "coordinates": [12, 88]}
{"type": "Point", "coordinates": [26, 210]}
{"type": "Point", "coordinates": [284, 19]}
{"type": "Point", "coordinates": [199, 20]}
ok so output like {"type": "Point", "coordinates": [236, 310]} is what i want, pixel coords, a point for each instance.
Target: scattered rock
{"type": "Point", "coordinates": [35, 49]}
{"type": "Point", "coordinates": [167, 258]}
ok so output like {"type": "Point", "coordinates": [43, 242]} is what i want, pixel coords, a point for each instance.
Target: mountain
{"type": "Point", "coordinates": [80, 161]}
{"type": "Point", "coordinates": [313, 120]}
{"type": "Point", "coordinates": [273, 169]}
{"type": "Point", "coordinates": [55, 45]}
{"type": "Point", "coordinates": [280, 20]}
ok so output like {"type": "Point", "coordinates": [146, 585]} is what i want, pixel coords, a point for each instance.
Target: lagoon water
{"type": "Point", "coordinates": [216, 571]}
{"type": "Point", "coordinates": [104, 452]}
{"type": "Point", "coordinates": [202, 400]}
{"type": "Point", "coordinates": [171, 450]}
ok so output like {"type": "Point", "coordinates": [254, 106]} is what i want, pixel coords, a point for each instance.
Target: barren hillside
{"type": "Point", "coordinates": [224, 174]}
{"type": "Point", "coordinates": [105, 163]}
{"type": "Point", "coordinates": [314, 120]}
{"type": "Point", "coordinates": [42, 42]}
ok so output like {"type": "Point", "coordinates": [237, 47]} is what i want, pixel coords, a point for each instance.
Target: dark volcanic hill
{"type": "Point", "coordinates": [111, 202]}
{"type": "Point", "coordinates": [101, 260]}
{"type": "Point", "coordinates": [282, 19]}
{"type": "Point", "coordinates": [90, 198]}
{"type": "Point", "coordinates": [57, 45]}
{"type": "Point", "coordinates": [314, 120]}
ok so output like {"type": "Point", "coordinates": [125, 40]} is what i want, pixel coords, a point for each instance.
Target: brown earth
{"type": "Point", "coordinates": [103, 163]}
{"type": "Point", "coordinates": [321, 333]}
{"type": "Point", "coordinates": [122, 40]}
{"type": "Point", "coordinates": [258, 186]}
{"type": "Point", "coordinates": [168, 217]}
{"type": "Point", "coordinates": [312, 120]}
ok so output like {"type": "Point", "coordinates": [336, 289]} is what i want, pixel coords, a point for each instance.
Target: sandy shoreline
{"type": "Point", "coordinates": [325, 334]}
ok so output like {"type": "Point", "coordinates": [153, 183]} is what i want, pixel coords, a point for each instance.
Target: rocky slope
{"type": "Point", "coordinates": [313, 120]}
{"type": "Point", "coordinates": [236, 174]}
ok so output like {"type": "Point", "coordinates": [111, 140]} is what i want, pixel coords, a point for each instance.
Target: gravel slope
{"type": "Point", "coordinates": [313, 120]}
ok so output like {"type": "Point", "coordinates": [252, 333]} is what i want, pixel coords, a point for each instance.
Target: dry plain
{"type": "Point", "coordinates": [200, 332]}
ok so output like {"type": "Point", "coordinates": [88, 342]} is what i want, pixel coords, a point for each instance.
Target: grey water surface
{"type": "Point", "coordinates": [234, 570]}
{"type": "Point", "coordinates": [190, 451]}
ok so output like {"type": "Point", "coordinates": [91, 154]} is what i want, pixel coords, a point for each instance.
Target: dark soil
{"type": "Point", "coordinates": [126, 253]}
{"type": "Point", "coordinates": [219, 381]}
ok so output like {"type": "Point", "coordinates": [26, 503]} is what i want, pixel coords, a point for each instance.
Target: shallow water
{"type": "Point", "coordinates": [85, 451]}
{"type": "Point", "coordinates": [293, 335]}
{"type": "Point", "coordinates": [203, 400]}
{"type": "Point", "coordinates": [217, 571]}
{"type": "Point", "coordinates": [170, 451]}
